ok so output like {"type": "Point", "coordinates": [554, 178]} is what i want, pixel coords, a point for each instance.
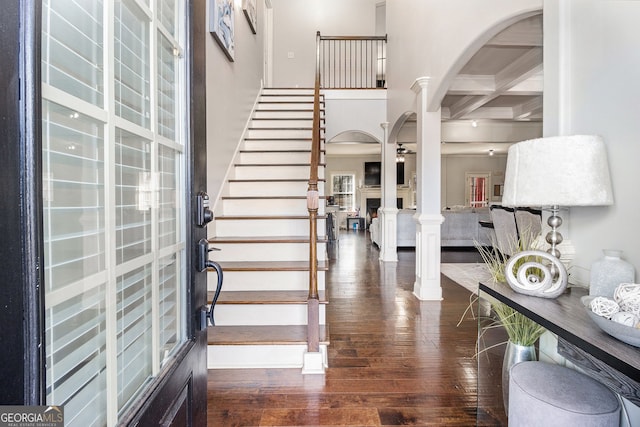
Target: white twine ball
{"type": "Point", "coordinates": [627, 295]}
{"type": "Point", "coordinates": [625, 318]}
{"type": "Point", "coordinates": [605, 307]}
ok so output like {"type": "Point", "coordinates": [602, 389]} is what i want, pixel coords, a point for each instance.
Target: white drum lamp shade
{"type": "Point", "coordinates": [558, 171]}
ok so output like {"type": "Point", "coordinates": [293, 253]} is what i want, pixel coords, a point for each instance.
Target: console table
{"type": "Point", "coordinates": [601, 356]}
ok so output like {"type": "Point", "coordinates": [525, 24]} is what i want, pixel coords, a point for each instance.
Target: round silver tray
{"type": "Point", "coordinates": [627, 334]}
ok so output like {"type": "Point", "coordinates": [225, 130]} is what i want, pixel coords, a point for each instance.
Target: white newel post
{"type": "Point", "coordinates": [428, 216]}
{"type": "Point", "coordinates": [389, 212]}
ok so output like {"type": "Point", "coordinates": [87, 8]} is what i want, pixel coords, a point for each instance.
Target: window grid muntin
{"type": "Point", "coordinates": [176, 251]}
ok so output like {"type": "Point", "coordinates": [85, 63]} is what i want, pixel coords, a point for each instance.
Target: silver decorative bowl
{"type": "Point", "coordinates": [627, 334]}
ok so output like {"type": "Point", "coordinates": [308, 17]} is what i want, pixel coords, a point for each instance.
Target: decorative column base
{"type": "Point", "coordinates": [427, 286]}
{"type": "Point", "coordinates": [388, 234]}
{"type": "Point", "coordinates": [314, 363]}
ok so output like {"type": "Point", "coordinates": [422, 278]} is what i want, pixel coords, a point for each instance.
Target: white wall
{"type": "Point", "coordinates": [232, 88]}
{"type": "Point", "coordinates": [592, 62]}
{"type": "Point", "coordinates": [362, 110]}
{"type": "Point", "coordinates": [295, 24]}
{"type": "Point", "coordinates": [455, 167]}
{"type": "Point", "coordinates": [436, 38]}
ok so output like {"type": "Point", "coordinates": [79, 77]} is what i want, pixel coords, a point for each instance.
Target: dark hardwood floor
{"type": "Point", "coordinates": [393, 360]}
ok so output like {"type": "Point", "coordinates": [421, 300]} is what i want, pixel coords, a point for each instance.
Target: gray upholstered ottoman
{"type": "Point", "coordinates": [542, 394]}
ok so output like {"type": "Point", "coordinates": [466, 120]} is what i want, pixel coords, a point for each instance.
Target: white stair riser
{"type": "Point", "coordinates": [278, 158]}
{"type": "Point", "coordinates": [279, 133]}
{"type": "Point", "coordinates": [270, 188]}
{"type": "Point", "coordinates": [265, 280]}
{"type": "Point", "coordinates": [275, 172]}
{"type": "Point", "coordinates": [266, 227]}
{"type": "Point", "coordinates": [266, 252]}
{"type": "Point", "coordinates": [263, 314]}
{"type": "Point", "coordinates": [288, 91]}
{"type": "Point", "coordinates": [308, 98]}
{"type": "Point", "coordinates": [285, 114]}
{"type": "Point", "coordinates": [265, 144]}
{"type": "Point", "coordinates": [286, 106]}
{"type": "Point", "coordinates": [283, 124]}
{"type": "Point", "coordinates": [267, 207]}
{"type": "Point", "coordinates": [258, 356]}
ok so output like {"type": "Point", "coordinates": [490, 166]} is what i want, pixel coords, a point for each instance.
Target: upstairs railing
{"type": "Point", "coordinates": [352, 62]}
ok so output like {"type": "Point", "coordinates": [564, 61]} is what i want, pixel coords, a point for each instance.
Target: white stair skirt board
{"type": "Point", "coordinates": [263, 314]}
{"type": "Point", "coordinates": [266, 227]}
{"type": "Point", "coordinates": [259, 356]}
{"type": "Point", "coordinates": [270, 188]}
{"type": "Point", "coordinates": [275, 172]}
{"type": "Point", "coordinates": [266, 280]}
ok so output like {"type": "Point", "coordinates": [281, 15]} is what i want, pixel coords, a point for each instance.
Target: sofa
{"type": "Point", "coordinates": [461, 227]}
{"type": "Point", "coordinates": [406, 232]}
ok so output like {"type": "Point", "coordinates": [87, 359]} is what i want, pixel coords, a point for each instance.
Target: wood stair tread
{"type": "Point", "coordinates": [271, 265]}
{"type": "Point", "coordinates": [287, 110]}
{"type": "Point", "coordinates": [287, 102]}
{"type": "Point", "coordinates": [261, 335]}
{"type": "Point", "coordinates": [267, 197]}
{"type": "Point", "coordinates": [264, 239]}
{"type": "Point", "coordinates": [253, 138]}
{"type": "Point", "coordinates": [285, 128]}
{"type": "Point", "coordinates": [258, 217]}
{"type": "Point", "coordinates": [278, 151]}
{"type": "Point", "coordinates": [274, 180]}
{"type": "Point", "coordinates": [277, 164]}
{"type": "Point", "coordinates": [265, 297]}
{"type": "Point", "coordinates": [284, 118]}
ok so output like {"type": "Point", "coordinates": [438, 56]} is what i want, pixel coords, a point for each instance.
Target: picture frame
{"type": "Point", "coordinates": [222, 25]}
{"type": "Point", "coordinates": [250, 9]}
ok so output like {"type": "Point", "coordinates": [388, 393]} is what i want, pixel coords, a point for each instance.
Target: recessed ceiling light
{"type": "Point", "coordinates": [474, 123]}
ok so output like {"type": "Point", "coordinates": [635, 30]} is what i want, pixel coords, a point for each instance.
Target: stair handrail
{"type": "Point", "coordinates": [313, 303]}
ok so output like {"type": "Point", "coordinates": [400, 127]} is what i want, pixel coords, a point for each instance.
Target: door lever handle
{"type": "Point", "coordinates": [204, 263]}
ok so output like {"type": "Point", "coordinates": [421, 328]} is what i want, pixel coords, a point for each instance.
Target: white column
{"type": "Point", "coordinates": [389, 212]}
{"type": "Point", "coordinates": [428, 215]}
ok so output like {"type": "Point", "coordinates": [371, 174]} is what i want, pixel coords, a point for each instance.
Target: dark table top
{"type": "Point", "coordinates": [567, 317]}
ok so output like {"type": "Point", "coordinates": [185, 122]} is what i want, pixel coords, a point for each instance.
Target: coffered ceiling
{"type": "Point", "coordinates": [495, 100]}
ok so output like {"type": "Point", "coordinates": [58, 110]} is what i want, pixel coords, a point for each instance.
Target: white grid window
{"type": "Point", "coordinates": [114, 198]}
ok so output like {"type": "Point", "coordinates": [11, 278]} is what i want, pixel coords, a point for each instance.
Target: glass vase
{"type": "Point", "coordinates": [608, 272]}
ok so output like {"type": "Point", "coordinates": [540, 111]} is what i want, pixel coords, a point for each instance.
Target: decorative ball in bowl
{"type": "Point", "coordinates": [611, 317]}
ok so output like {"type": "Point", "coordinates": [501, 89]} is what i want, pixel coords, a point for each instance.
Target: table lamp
{"type": "Point", "coordinates": [549, 173]}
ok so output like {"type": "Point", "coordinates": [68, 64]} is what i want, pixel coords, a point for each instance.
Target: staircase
{"type": "Point", "coordinates": [261, 226]}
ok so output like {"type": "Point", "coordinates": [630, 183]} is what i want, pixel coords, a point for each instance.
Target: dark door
{"type": "Point", "coordinates": [102, 153]}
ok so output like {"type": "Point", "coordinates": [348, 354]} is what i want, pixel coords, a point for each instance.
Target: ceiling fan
{"type": "Point", "coordinates": [403, 150]}
{"type": "Point", "coordinates": [400, 153]}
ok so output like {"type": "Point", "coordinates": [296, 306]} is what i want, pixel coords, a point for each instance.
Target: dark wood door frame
{"type": "Point", "coordinates": [21, 272]}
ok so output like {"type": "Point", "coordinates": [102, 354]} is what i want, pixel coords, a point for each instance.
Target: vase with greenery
{"type": "Point", "coordinates": [522, 332]}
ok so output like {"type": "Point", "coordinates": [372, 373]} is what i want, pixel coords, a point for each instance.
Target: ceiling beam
{"type": "Point", "coordinates": [528, 109]}
{"type": "Point", "coordinates": [516, 72]}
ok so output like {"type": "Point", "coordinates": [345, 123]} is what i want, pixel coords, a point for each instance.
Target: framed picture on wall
{"type": "Point", "coordinates": [222, 25]}
{"type": "Point", "coordinates": [250, 10]}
